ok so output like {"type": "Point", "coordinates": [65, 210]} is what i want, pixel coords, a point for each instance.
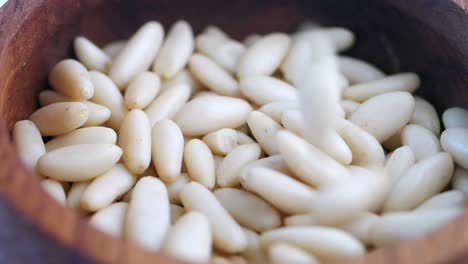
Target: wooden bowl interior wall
{"type": "Point", "coordinates": [429, 38]}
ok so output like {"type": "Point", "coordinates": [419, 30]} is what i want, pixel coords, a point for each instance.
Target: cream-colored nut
{"type": "Point", "coordinates": [207, 114]}
{"type": "Point", "coordinates": [28, 143]}
{"type": "Point", "coordinates": [455, 142]}
{"type": "Point", "coordinates": [135, 141]}
{"type": "Point", "coordinates": [166, 105]}
{"type": "Point", "coordinates": [200, 163]}
{"type": "Point", "coordinates": [87, 135]}
{"type": "Point", "coordinates": [105, 189]}
{"type": "Point", "coordinates": [282, 191]}
{"type": "Point", "coordinates": [142, 90]}
{"type": "Point", "coordinates": [405, 82]}
{"type": "Point", "coordinates": [91, 55]}
{"type": "Point", "coordinates": [265, 56]}
{"type": "Point", "coordinates": [137, 55]}
{"type": "Point", "coordinates": [167, 149]}
{"type": "Point", "coordinates": [384, 115]}
{"type": "Point", "coordinates": [175, 51]}
{"type": "Point", "coordinates": [429, 176]}
{"type": "Point", "coordinates": [248, 210]}
{"type": "Point", "coordinates": [148, 214]}
{"type": "Point", "coordinates": [72, 79]}
{"type": "Point", "coordinates": [60, 118]}
{"type": "Point", "coordinates": [421, 140]}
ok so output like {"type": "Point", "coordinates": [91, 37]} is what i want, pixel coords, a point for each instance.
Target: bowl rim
{"type": "Point", "coordinates": [71, 229]}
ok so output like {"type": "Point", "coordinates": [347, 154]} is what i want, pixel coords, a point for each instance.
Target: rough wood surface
{"type": "Point", "coordinates": [429, 37]}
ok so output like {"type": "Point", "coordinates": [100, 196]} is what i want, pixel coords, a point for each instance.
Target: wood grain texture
{"type": "Point", "coordinates": [429, 37]}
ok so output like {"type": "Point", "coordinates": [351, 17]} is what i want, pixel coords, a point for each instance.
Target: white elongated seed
{"type": "Point", "coordinates": [137, 55]}
{"type": "Point", "coordinates": [349, 107]}
{"type": "Point", "coordinates": [113, 49]}
{"type": "Point", "coordinates": [396, 107]}
{"type": "Point", "coordinates": [72, 79]}
{"type": "Point", "coordinates": [367, 151]}
{"type": "Point", "coordinates": [220, 48]}
{"type": "Point", "coordinates": [28, 143]}
{"type": "Point", "coordinates": [284, 253]}
{"type": "Point", "coordinates": [228, 172]}
{"type": "Point", "coordinates": [213, 76]}
{"type": "Point", "coordinates": [444, 200]}
{"type": "Point", "coordinates": [107, 94]}
{"type": "Point", "coordinates": [148, 215]}
{"type": "Point", "coordinates": [421, 140]}
{"type": "Point", "coordinates": [228, 236]}
{"type": "Point", "coordinates": [142, 90]}
{"type": "Point", "coordinates": [79, 162]}
{"type": "Point", "coordinates": [275, 110]}
{"type": "Point", "coordinates": [455, 142]}
{"type": "Point", "coordinates": [405, 82]}
{"type": "Point", "coordinates": [455, 117]}
{"type": "Point", "coordinates": [263, 90]}
{"type": "Point", "coordinates": [265, 56]}
{"type": "Point", "coordinates": [167, 149]}
{"type": "Point", "coordinates": [200, 163]}
{"type": "Point", "coordinates": [111, 219]}
{"type": "Point", "coordinates": [54, 189]}
{"type": "Point", "coordinates": [248, 210]}
{"type": "Point", "coordinates": [207, 114]}
{"type": "Point", "coordinates": [135, 141]}
{"type": "Point", "coordinates": [87, 135]}
{"type": "Point", "coordinates": [253, 253]}
{"type": "Point", "coordinates": [359, 71]}
{"type": "Point", "coordinates": [174, 188]}
{"type": "Point", "coordinates": [60, 118]}
{"type": "Point", "coordinates": [91, 55]}
{"type": "Point", "coordinates": [398, 163]}
{"type": "Point", "coordinates": [74, 194]}
{"type": "Point", "coordinates": [283, 192]}
{"type": "Point", "coordinates": [460, 180]}
{"type": "Point", "coordinates": [309, 163]}
{"type": "Point", "coordinates": [323, 242]}
{"type": "Point", "coordinates": [395, 227]}
{"type": "Point", "coordinates": [175, 51]}
{"type": "Point", "coordinates": [429, 176]}
{"type": "Point", "coordinates": [364, 191]}
{"type": "Point", "coordinates": [425, 115]}
{"type": "Point", "coordinates": [106, 188]}
{"type": "Point", "coordinates": [166, 105]}
{"type": "Point", "coordinates": [190, 238]}
{"type": "Point", "coordinates": [264, 129]}
{"type": "Point", "coordinates": [97, 115]}
{"type": "Point", "coordinates": [176, 213]}
{"type": "Point", "coordinates": [222, 142]}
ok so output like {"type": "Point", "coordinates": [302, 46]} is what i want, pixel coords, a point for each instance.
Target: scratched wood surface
{"type": "Point", "coordinates": [429, 37]}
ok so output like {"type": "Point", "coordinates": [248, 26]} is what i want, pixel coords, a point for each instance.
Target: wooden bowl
{"type": "Point", "coordinates": [428, 37]}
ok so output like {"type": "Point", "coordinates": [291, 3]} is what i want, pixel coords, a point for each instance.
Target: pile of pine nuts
{"type": "Point", "coordinates": [272, 150]}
